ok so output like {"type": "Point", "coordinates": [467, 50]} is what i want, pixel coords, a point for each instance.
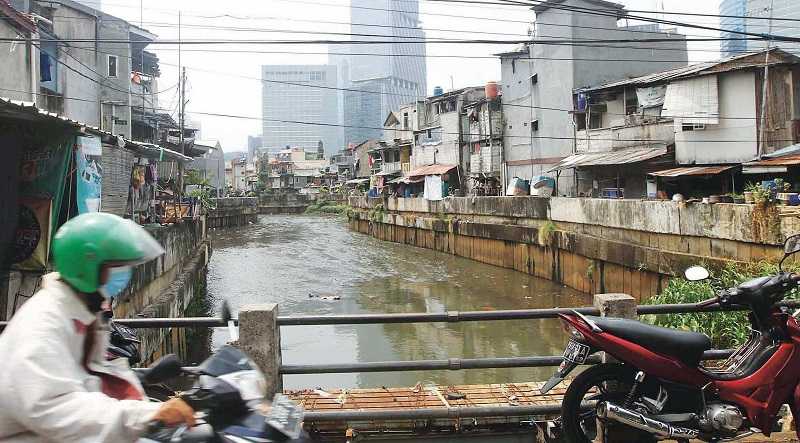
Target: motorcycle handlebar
{"type": "Point", "coordinates": [708, 302]}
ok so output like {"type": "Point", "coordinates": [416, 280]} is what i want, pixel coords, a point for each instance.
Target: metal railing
{"type": "Point", "coordinates": [425, 365]}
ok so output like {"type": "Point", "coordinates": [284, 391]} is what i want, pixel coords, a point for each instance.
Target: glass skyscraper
{"type": "Point", "coordinates": [294, 98]}
{"type": "Point", "coordinates": [392, 71]}
{"type": "Point", "coordinates": [753, 16]}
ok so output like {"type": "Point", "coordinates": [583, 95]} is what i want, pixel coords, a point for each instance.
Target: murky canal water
{"type": "Point", "coordinates": [295, 260]}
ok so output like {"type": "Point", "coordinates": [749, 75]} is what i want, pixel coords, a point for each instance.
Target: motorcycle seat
{"type": "Point", "coordinates": [686, 346]}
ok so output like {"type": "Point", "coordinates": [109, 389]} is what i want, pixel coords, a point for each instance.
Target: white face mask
{"type": "Point", "coordinates": [118, 279]}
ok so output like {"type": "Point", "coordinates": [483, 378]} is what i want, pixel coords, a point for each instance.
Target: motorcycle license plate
{"type": "Point", "coordinates": [576, 352]}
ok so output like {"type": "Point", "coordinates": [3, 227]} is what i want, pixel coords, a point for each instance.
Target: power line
{"type": "Point", "coordinates": [393, 41]}
{"type": "Point", "coordinates": [300, 122]}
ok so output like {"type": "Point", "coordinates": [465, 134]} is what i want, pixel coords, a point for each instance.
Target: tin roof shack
{"type": "Point", "coordinates": [398, 131]}
{"type": "Point", "coordinates": [57, 168]}
{"type": "Point", "coordinates": [440, 137]}
{"type": "Point", "coordinates": [361, 155]}
{"type": "Point", "coordinates": [536, 78]}
{"type": "Point", "coordinates": [482, 123]}
{"type": "Point", "coordinates": [210, 166]}
{"type": "Point", "coordinates": [710, 111]}
{"type": "Point", "coordinates": [117, 83]}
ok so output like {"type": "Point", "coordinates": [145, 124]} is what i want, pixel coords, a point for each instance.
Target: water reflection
{"type": "Point", "coordinates": [296, 261]}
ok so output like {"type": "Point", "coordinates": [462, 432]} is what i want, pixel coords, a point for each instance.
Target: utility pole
{"type": "Point", "coordinates": [764, 87]}
{"type": "Point", "coordinates": [181, 107]}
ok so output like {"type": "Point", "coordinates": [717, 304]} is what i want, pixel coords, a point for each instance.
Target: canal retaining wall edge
{"type": "Point", "coordinates": [592, 245]}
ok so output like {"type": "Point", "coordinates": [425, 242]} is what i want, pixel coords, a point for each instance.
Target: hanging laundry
{"type": "Point", "coordinates": [433, 187]}
{"type": "Point", "coordinates": [45, 67]}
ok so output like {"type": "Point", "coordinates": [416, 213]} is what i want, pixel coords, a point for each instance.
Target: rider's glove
{"type": "Point", "coordinates": [175, 412]}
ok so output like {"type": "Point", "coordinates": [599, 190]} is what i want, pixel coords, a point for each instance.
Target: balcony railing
{"type": "Point", "coordinates": [405, 168]}
{"type": "Point", "coordinates": [389, 168]}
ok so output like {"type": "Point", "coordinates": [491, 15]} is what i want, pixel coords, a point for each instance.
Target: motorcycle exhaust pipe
{"type": "Point", "coordinates": [637, 420]}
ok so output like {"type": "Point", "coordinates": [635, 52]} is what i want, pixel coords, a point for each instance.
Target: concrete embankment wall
{"type": "Point", "coordinates": [284, 203]}
{"type": "Point", "coordinates": [593, 245]}
{"type": "Point", "coordinates": [166, 287]}
{"type": "Point", "coordinates": [233, 211]}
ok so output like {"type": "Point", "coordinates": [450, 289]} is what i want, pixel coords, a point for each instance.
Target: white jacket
{"type": "Point", "coordinates": [46, 395]}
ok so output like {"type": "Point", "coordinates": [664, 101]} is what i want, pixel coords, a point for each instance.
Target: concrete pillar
{"type": "Point", "coordinates": [615, 305]}
{"type": "Point", "coordinates": [260, 338]}
{"type": "Point", "coordinates": [620, 306]}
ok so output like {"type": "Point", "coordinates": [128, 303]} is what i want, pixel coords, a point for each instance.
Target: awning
{"type": "Point", "coordinates": [407, 180]}
{"type": "Point", "coordinates": [356, 181]}
{"type": "Point", "coordinates": [776, 165]}
{"type": "Point", "coordinates": [385, 173]}
{"type": "Point", "coordinates": [693, 171]}
{"type": "Point", "coordinates": [432, 170]}
{"type": "Point", "coordinates": [621, 157]}
{"type": "Point", "coordinates": [156, 152]}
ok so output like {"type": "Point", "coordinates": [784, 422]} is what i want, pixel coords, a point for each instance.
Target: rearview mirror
{"type": "Point", "coordinates": [792, 244]}
{"type": "Point", "coordinates": [696, 273]}
{"type": "Point", "coordinates": [165, 368]}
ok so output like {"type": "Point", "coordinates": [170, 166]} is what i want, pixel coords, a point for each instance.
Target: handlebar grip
{"type": "Point", "coordinates": [708, 302]}
{"type": "Point", "coordinates": [156, 426]}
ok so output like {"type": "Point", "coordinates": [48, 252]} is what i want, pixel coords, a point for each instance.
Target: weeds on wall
{"type": "Point", "coordinates": [327, 207]}
{"type": "Point", "coordinates": [726, 329]}
{"type": "Point", "coordinates": [545, 233]}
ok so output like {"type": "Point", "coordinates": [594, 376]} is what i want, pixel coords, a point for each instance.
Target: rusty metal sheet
{"type": "Point", "coordinates": [432, 170]}
{"type": "Point", "coordinates": [697, 69]}
{"type": "Point", "coordinates": [620, 157]}
{"type": "Point", "coordinates": [786, 160]}
{"type": "Point", "coordinates": [692, 170]}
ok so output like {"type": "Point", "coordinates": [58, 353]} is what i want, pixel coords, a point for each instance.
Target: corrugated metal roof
{"type": "Point", "coordinates": [786, 160]}
{"type": "Point", "coordinates": [29, 111]}
{"type": "Point", "coordinates": [432, 170]}
{"type": "Point", "coordinates": [621, 157]}
{"type": "Point", "coordinates": [385, 173]}
{"type": "Point", "coordinates": [685, 71]}
{"type": "Point", "coordinates": [692, 170]}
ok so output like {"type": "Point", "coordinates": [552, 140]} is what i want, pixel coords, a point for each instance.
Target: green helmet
{"type": "Point", "coordinates": [83, 244]}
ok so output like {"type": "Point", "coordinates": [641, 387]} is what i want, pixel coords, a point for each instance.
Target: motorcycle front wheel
{"type": "Point", "coordinates": [604, 382]}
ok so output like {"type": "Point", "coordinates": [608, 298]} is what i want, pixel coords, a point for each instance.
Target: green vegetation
{"type": "Point", "coordinates": [326, 207]}
{"type": "Point", "coordinates": [545, 233]}
{"type": "Point", "coordinates": [377, 212]}
{"type": "Point", "coordinates": [726, 329]}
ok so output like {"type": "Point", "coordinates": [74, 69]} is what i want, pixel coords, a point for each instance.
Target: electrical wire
{"type": "Point", "coordinates": [307, 123]}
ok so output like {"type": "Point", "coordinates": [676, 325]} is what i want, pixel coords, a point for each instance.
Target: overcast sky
{"type": "Point", "coordinates": [228, 83]}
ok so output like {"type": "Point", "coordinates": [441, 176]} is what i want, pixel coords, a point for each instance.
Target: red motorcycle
{"type": "Point", "coordinates": [658, 389]}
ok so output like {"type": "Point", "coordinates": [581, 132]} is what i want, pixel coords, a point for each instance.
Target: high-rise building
{"type": "Point", "coordinates": [393, 73]}
{"type": "Point", "coordinates": [300, 107]}
{"type": "Point", "coordinates": [754, 16]}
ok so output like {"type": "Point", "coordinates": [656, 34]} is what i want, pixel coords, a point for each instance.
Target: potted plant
{"type": "Point", "coordinates": [736, 198]}
{"type": "Point", "coordinates": [749, 189]}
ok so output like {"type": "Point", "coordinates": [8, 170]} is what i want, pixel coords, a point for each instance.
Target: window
{"type": "Point", "coordinates": [631, 104]}
{"type": "Point", "coordinates": [405, 120]}
{"type": "Point", "coordinates": [596, 121]}
{"type": "Point", "coordinates": [113, 70]}
{"type": "Point", "coordinates": [693, 127]}
{"type": "Point", "coordinates": [580, 121]}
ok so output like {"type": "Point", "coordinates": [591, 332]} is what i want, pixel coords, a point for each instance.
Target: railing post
{"type": "Point", "coordinates": [260, 338]}
{"type": "Point", "coordinates": [615, 305]}
{"type": "Point", "coordinates": [621, 306]}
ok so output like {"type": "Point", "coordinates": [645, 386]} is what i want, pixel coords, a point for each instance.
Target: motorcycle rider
{"type": "Point", "coordinates": [55, 383]}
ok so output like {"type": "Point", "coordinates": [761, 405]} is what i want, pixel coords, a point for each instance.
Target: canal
{"type": "Point", "coordinates": [316, 265]}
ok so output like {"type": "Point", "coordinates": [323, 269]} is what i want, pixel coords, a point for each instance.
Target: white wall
{"type": "Point", "coordinates": [737, 98]}
{"type": "Point", "coordinates": [15, 71]}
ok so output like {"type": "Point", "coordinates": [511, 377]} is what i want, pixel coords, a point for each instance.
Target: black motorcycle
{"type": "Point", "coordinates": [228, 397]}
